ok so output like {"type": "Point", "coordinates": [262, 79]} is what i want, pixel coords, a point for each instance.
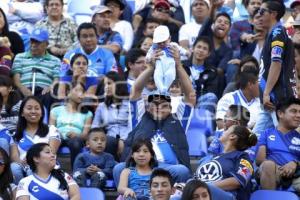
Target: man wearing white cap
{"type": "Point", "coordinates": [189, 32]}
{"type": "Point", "coordinates": [165, 72]}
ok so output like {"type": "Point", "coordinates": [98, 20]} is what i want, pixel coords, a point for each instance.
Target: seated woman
{"type": "Point", "coordinates": [7, 188]}
{"type": "Point", "coordinates": [9, 110]}
{"type": "Point", "coordinates": [229, 174]}
{"type": "Point", "coordinates": [72, 120]}
{"type": "Point", "coordinates": [30, 130]}
{"type": "Point", "coordinates": [77, 73]}
{"type": "Point", "coordinates": [113, 114]}
{"type": "Point", "coordinates": [51, 183]}
{"type": "Point", "coordinates": [196, 190]}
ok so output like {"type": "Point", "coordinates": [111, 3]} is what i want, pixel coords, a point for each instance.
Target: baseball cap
{"type": "Point", "coordinates": [295, 3]}
{"type": "Point", "coordinates": [100, 9]}
{"type": "Point", "coordinates": [159, 97]}
{"type": "Point", "coordinates": [40, 35]}
{"type": "Point", "coordinates": [162, 3]}
{"type": "Point", "coordinates": [120, 2]}
{"type": "Point", "coordinates": [161, 34]}
{"type": "Point", "coordinates": [206, 1]}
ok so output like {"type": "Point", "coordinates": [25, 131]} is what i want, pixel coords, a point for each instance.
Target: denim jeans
{"type": "Point", "coordinates": [4, 145]}
{"type": "Point", "coordinates": [19, 171]}
{"type": "Point", "coordinates": [266, 119]}
{"type": "Point", "coordinates": [208, 102]}
{"type": "Point", "coordinates": [218, 194]}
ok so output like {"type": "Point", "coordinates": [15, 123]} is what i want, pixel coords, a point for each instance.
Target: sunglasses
{"type": "Point", "coordinates": [2, 162]}
{"type": "Point", "coordinates": [262, 11]}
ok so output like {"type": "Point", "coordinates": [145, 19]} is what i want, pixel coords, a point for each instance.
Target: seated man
{"type": "Point", "coordinates": [279, 148]}
{"type": "Point", "coordinates": [161, 185]}
{"type": "Point", "coordinates": [38, 60]}
{"type": "Point", "coordinates": [167, 133]}
{"type": "Point", "coordinates": [101, 60]}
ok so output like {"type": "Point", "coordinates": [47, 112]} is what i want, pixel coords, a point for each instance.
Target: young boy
{"type": "Point", "coordinates": [95, 164]}
{"type": "Point", "coordinates": [165, 71]}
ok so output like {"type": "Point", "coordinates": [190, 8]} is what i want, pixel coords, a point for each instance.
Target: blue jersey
{"type": "Point", "coordinates": [101, 61]}
{"type": "Point", "coordinates": [234, 164]}
{"type": "Point", "coordinates": [281, 148]}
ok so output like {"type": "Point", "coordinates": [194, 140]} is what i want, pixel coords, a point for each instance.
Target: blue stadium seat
{"type": "Point", "coordinates": [91, 193]}
{"type": "Point", "coordinates": [273, 195]}
{"type": "Point", "coordinates": [63, 150]}
{"type": "Point", "coordinates": [81, 12]}
{"type": "Point", "coordinates": [199, 129]}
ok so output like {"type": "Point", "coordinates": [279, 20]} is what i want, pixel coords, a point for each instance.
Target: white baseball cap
{"type": "Point", "coordinates": [161, 34]}
{"type": "Point", "coordinates": [206, 1]}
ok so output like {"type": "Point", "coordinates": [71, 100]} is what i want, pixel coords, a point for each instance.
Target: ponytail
{"type": "Point", "coordinates": [245, 138]}
{"type": "Point", "coordinates": [60, 176]}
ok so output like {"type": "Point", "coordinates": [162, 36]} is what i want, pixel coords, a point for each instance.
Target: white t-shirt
{"type": "Point", "coordinates": [27, 141]}
{"type": "Point", "coordinates": [189, 32]}
{"type": "Point", "coordinates": [37, 188]}
{"type": "Point", "coordinates": [238, 98]}
{"type": "Point", "coordinates": [126, 32]}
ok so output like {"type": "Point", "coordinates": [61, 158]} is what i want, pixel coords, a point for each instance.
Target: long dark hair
{"type": "Point", "coordinates": [121, 91]}
{"type": "Point", "coordinates": [13, 97]}
{"type": "Point", "coordinates": [5, 29]}
{"type": "Point", "coordinates": [34, 152]}
{"type": "Point", "coordinates": [245, 138]}
{"type": "Point", "coordinates": [190, 188]}
{"type": "Point", "coordinates": [43, 129]}
{"type": "Point", "coordinates": [6, 178]}
{"type": "Point", "coordinates": [135, 147]}
{"type": "Point", "coordinates": [83, 109]}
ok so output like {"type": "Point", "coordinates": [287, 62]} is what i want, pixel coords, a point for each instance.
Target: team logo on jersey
{"type": "Point", "coordinates": [276, 32]}
{"type": "Point", "coordinates": [35, 188]}
{"type": "Point", "coordinates": [277, 43]}
{"type": "Point", "coordinates": [276, 52]}
{"type": "Point", "coordinates": [272, 137]}
{"type": "Point", "coordinates": [245, 172]}
{"type": "Point", "coordinates": [295, 141]}
{"type": "Point", "coordinates": [210, 172]}
{"type": "Point", "coordinates": [247, 164]}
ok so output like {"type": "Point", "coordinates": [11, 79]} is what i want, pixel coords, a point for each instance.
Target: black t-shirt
{"type": "Point", "coordinates": [279, 48]}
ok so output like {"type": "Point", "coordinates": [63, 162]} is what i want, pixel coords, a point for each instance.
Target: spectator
{"type": "Point", "coordinates": [121, 26]}
{"type": "Point", "coordinates": [6, 141]}
{"type": "Point", "coordinates": [17, 45]}
{"type": "Point", "coordinates": [206, 89]}
{"type": "Point", "coordinates": [6, 56]}
{"type": "Point", "coordinates": [297, 60]}
{"type": "Point", "coordinates": [100, 59]}
{"type": "Point", "coordinates": [233, 169]}
{"type": "Point", "coordinates": [11, 104]}
{"type": "Point", "coordinates": [241, 30]}
{"type": "Point", "coordinates": [108, 38]}
{"type": "Point", "coordinates": [296, 27]}
{"type": "Point", "coordinates": [62, 30]}
{"type": "Point", "coordinates": [166, 133]}
{"type": "Point", "coordinates": [145, 43]}
{"type": "Point", "coordinates": [145, 30]}
{"type": "Point", "coordinates": [72, 120]}
{"type": "Point", "coordinates": [161, 184]}
{"type": "Point", "coordinates": [295, 7]}
{"type": "Point", "coordinates": [247, 96]}
{"type": "Point", "coordinates": [113, 114]}
{"type": "Point", "coordinates": [42, 160]}
{"type": "Point", "coordinates": [196, 190]}
{"type": "Point", "coordinates": [277, 69]}
{"type": "Point", "coordinates": [163, 13]}
{"type": "Point", "coordinates": [36, 60]}
{"type": "Point", "coordinates": [95, 164]}
{"type": "Point", "coordinates": [78, 73]}
{"type": "Point", "coordinates": [30, 130]}
{"type": "Point", "coordinates": [235, 115]}
{"type": "Point", "coordinates": [217, 28]}
{"type": "Point", "coordinates": [7, 188]}
{"type": "Point", "coordinates": [189, 32]}
{"type": "Point", "coordinates": [278, 153]}
{"type": "Point", "coordinates": [136, 176]}
{"type": "Point", "coordinates": [247, 64]}
{"type": "Point", "coordinates": [135, 64]}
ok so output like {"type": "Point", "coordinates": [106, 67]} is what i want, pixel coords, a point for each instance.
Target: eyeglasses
{"type": "Point", "coordinates": [262, 11]}
{"type": "Point", "coordinates": [2, 162]}
{"type": "Point", "coordinates": [163, 10]}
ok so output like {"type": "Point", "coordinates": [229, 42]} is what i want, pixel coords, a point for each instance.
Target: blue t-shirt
{"type": "Point", "coordinates": [101, 61]}
{"type": "Point", "coordinates": [281, 148]}
{"type": "Point", "coordinates": [234, 164]}
{"type": "Point", "coordinates": [140, 184]}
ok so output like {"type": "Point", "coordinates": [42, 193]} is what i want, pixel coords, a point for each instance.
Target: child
{"type": "Point", "coordinates": [165, 71]}
{"type": "Point", "coordinates": [94, 164]}
{"type": "Point", "coordinates": [134, 180]}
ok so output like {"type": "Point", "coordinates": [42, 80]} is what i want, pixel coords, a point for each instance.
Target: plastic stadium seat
{"type": "Point", "coordinates": [91, 194]}
{"type": "Point", "coordinates": [63, 150]}
{"type": "Point", "coordinates": [273, 195]}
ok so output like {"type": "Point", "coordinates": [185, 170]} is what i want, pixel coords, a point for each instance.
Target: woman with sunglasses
{"type": "Point", "coordinates": [7, 188]}
{"type": "Point", "coordinates": [229, 174]}
{"type": "Point", "coordinates": [46, 182]}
